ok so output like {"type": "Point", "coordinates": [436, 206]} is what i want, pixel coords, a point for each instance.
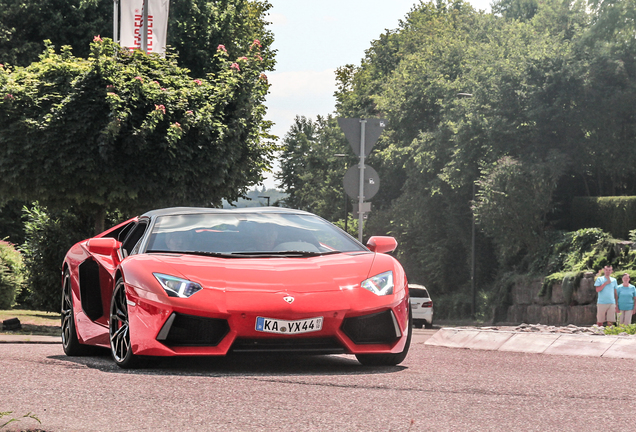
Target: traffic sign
{"type": "Point", "coordinates": [373, 130]}
{"type": "Point", "coordinates": [352, 182]}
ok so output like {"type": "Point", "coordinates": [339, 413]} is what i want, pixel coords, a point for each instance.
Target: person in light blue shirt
{"type": "Point", "coordinates": [625, 294]}
{"type": "Point", "coordinates": [606, 302]}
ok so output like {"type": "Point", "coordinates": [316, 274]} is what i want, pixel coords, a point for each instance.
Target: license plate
{"type": "Point", "coordinates": [270, 325]}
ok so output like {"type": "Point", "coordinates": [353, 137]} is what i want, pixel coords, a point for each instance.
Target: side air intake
{"type": "Point", "coordinates": [377, 328]}
{"type": "Point", "coordinates": [189, 330]}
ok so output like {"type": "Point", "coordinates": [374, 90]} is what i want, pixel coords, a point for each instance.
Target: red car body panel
{"type": "Point", "coordinates": [237, 290]}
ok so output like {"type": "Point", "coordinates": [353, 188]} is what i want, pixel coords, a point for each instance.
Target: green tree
{"type": "Point", "coordinates": [526, 86]}
{"type": "Point", "coordinates": [195, 29]}
{"type": "Point", "coordinates": [293, 160]}
{"type": "Point", "coordinates": [11, 225]}
{"type": "Point", "coordinates": [311, 173]}
{"type": "Point", "coordinates": [614, 21]}
{"type": "Point", "coordinates": [25, 24]}
{"type": "Point", "coordinates": [124, 130]}
{"type": "Point", "coordinates": [516, 9]}
{"type": "Point", "coordinates": [513, 202]}
{"type": "Point", "coordinates": [549, 116]}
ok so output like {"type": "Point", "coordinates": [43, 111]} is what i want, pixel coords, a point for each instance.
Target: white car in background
{"type": "Point", "coordinates": [421, 306]}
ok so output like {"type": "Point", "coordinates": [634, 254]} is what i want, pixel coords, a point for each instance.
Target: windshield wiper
{"type": "Point", "coordinates": [289, 253]}
{"type": "Point", "coordinates": [204, 253]}
{"type": "Point", "coordinates": [247, 254]}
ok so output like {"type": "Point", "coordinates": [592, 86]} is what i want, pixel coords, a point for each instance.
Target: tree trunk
{"type": "Point", "coordinates": [587, 186]}
{"type": "Point", "coordinates": [100, 215]}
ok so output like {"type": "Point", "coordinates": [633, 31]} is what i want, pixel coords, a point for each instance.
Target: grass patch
{"type": "Point", "coordinates": [36, 323]}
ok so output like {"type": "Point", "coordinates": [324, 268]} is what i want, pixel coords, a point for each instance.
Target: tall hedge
{"type": "Point", "coordinates": [616, 215]}
{"type": "Point", "coordinates": [48, 238]}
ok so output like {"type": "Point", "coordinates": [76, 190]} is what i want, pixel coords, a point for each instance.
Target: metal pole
{"type": "Point", "coordinates": [144, 27]}
{"type": "Point", "coordinates": [116, 21]}
{"type": "Point", "coordinates": [472, 263]}
{"type": "Point", "coordinates": [346, 213]}
{"type": "Point", "coordinates": [361, 189]}
{"type": "Point", "coordinates": [472, 250]}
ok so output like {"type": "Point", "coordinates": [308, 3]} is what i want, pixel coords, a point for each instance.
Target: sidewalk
{"type": "Point", "coordinates": [538, 343]}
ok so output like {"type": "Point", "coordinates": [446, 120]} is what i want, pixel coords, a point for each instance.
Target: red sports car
{"type": "Point", "coordinates": [207, 282]}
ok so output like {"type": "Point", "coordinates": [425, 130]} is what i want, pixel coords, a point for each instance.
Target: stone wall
{"type": "Point", "coordinates": [529, 308]}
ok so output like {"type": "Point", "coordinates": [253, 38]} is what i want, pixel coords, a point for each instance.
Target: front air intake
{"type": "Point", "coordinates": [289, 345]}
{"type": "Point", "coordinates": [190, 330]}
{"type": "Point", "coordinates": [377, 328]}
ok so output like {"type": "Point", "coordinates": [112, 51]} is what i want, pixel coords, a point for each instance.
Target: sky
{"type": "Point", "coordinates": [314, 38]}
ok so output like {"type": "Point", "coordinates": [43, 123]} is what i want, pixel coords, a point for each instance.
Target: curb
{"type": "Point", "coordinates": [30, 339]}
{"type": "Point", "coordinates": [536, 343]}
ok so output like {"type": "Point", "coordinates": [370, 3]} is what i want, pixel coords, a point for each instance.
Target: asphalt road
{"type": "Point", "coordinates": [435, 389]}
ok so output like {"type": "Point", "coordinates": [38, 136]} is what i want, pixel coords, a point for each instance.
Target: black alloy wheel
{"type": "Point", "coordinates": [119, 329]}
{"type": "Point", "coordinates": [70, 342]}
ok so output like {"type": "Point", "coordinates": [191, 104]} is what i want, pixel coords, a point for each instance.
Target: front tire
{"type": "Point", "coordinates": [389, 359]}
{"type": "Point", "coordinates": [119, 330]}
{"type": "Point", "coordinates": [70, 341]}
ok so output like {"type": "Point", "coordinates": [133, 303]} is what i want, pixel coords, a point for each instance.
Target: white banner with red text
{"type": "Point", "coordinates": [132, 23]}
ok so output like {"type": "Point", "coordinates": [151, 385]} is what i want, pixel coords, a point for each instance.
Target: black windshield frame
{"type": "Point", "coordinates": [248, 234]}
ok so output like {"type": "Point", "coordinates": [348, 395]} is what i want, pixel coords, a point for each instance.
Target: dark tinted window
{"type": "Point", "coordinates": [418, 292]}
{"type": "Point", "coordinates": [133, 237]}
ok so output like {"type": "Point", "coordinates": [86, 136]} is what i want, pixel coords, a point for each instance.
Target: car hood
{"type": "Point", "coordinates": [310, 274]}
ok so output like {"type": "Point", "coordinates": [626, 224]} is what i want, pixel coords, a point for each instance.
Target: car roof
{"type": "Point", "coordinates": [417, 286]}
{"type": "Point", "coordinates": [205, 210]}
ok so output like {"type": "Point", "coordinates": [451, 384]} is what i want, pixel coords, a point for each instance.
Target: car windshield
{"type": "Point", "coordinates": [241, 234]}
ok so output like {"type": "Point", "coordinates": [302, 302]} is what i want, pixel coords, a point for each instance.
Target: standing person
{"type": "Point", "coordinates": [625, 294]}
{"type": "Point", "coordinates": [606, 302]}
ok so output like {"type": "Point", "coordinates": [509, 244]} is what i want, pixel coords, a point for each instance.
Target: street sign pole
{"type": "Point", "coordinates": [365, 183]}
{"type": "Point", "coordinates": [144, 27]}
{"type": "Point", "coordinates": [363, 123]}
{"type": "Point", "coordinates": [116, 21]}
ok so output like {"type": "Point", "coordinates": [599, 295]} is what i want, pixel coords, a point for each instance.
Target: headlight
{"type": "Point", "coordinates": [177, 287]}
{"type": "Point", "coordinates": [381, 284]}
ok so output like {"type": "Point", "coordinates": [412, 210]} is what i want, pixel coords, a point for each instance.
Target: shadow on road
{"type": "Point", "coordinates": [237, 365]}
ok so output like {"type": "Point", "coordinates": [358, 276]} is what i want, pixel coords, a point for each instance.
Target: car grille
{"type": "Point", "coordinates": [189, 330]}
{"type": "Point", "coordinates": [377, 328]}
{"type": "Point", "coordinates": [294, 345]}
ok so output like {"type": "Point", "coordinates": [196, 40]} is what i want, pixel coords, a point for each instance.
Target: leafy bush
{"type": "Point", "coordinates": [570, 251]}
{"type": "Point", "coordinates": [48, 238]}
{"type": "Point", "coordinates": [11, 274]}
{"type": "Point", "coordinates": [571, 254]}
{"type": "Point", "coordinates": [588, 249]}
{"type": "Point", "coordinates": [616, 330]}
